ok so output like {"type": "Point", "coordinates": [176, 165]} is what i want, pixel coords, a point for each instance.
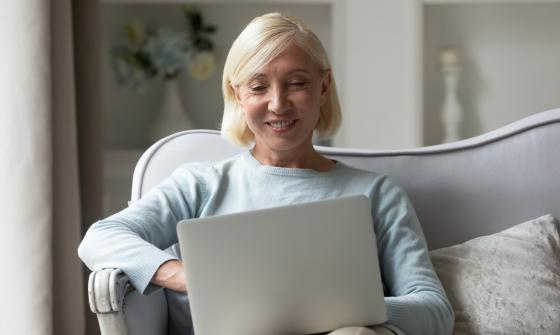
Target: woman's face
{"type": "Point", "coordinates": [282, 102]}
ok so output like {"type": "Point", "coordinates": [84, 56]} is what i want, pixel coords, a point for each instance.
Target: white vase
{"type": "Point", "coordinates": [172, 116]}
{"type": "Point", "coordinates": [452, 113]}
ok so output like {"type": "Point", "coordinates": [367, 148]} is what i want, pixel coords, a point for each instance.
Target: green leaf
{"type": "Point", "coordinates": [196, 22]}
{"type": "Point", "coordinates": [209, 29]}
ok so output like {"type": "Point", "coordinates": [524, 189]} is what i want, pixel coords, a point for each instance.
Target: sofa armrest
{"type": "Point", "coordinates": [121, 310]}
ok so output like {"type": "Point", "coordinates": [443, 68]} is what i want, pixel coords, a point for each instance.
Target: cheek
{"type": "Point", "coordinates": [252, 112]}
{"type": "Point", "coordinates": [309, 102]}
{"type": "Point", "coordinates": [311, 97]}
{"type": "Point", "coordinates": [253, 115]}
{"type": "Point", "coordinates": [251, 106]}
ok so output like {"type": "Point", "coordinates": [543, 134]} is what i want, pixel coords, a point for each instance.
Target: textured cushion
{"type": "Point", "coordinates": [506, 283]}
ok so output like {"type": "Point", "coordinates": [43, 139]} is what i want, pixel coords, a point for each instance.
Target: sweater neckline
{"type": "Point", "coordinates": [254, 164]}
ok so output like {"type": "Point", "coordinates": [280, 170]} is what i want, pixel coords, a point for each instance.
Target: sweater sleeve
{"type": "Point", "coordinates": [415, 299]}
{"type": "Point", "coordinates": [134, 239]}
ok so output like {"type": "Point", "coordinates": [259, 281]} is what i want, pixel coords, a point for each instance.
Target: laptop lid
{"type": "Point", "coordinates": [298, 269]}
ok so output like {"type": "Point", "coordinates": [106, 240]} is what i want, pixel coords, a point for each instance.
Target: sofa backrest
{"type": "Point", "coordinates": [460, 190]}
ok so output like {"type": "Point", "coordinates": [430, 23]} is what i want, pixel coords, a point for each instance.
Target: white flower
{"type": "Point", "coordinates": [202, 64]}
{"type": "Point", "coordinates": [166, 48]}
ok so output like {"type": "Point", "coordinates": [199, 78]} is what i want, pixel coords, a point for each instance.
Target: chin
{"type": "Point", "coordinates": [285, 146]}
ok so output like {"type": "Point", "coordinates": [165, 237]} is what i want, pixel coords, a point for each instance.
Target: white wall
{"type": "Point", "coordinates": [511, 64]}
{"type": "Point", "coordinates": [379, 69]}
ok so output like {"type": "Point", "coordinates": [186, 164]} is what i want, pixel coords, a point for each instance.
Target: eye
{"type": "Point", "coordinates": [298, 83]}
{"type": "Point", "coordinates": [257, 88]}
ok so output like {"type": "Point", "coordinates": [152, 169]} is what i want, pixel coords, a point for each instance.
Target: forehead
{"type": "Point", "coordinates": [292, 59]}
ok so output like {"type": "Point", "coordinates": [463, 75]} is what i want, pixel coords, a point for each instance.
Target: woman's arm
{"type": "Point", "coordinates": [170, 275]}
{"type": "Point", "coordinates": [415, 299]}
{"type": "Point", "coordinates": [134, 239]}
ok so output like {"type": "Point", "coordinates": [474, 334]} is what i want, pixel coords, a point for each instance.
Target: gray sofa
{"type": "Point", "coordinates": [461, 190]}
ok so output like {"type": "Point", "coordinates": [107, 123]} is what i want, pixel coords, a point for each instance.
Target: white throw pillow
{"type": "Point", "coordinates": [506, 283]}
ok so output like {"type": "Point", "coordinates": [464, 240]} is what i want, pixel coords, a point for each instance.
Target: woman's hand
{"type": "Point", "coordinates": [170, 275]}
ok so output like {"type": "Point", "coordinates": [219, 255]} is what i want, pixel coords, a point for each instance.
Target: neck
{"type": "Point", "coordinates": [304, 159]}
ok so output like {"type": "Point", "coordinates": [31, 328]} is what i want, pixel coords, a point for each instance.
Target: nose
{"type": "Point", "coordinates": [278, 102]}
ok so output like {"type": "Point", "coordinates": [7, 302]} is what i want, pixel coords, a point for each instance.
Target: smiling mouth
{"type": "Point", "coordinates": [281, 125]}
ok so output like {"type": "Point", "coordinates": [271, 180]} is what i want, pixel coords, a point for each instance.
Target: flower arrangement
{"type": "Point", "coordinates": [149, 51]}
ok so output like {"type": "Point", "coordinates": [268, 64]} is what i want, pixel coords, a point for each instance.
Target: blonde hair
{"type": "Point", "coordinates": [264, 38]}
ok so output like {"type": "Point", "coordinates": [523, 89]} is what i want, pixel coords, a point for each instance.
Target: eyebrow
{"type": "Point", "coordinates": [262, 75]}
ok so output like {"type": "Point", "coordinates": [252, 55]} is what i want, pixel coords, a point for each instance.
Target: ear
{"type": "Point", "coordinates": [325, 86]}
{"type": "Point", "coordinates": [236, 93]}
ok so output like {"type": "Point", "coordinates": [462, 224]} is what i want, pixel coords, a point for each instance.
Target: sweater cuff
{"type": "Point", "coordinates": [141, 279]}
{"type": "Point", "coordinates": [397, 312]}
{"type": "Point", "coordinates": [393, 329]}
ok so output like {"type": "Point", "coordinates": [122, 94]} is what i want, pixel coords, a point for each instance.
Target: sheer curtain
{"type": "Point", "coordinates": [42, 281]}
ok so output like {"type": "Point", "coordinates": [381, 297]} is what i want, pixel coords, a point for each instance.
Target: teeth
{"type": "Point", "coordinates": [281, 124]}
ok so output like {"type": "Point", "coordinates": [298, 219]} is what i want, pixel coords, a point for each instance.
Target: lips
{"type": "Point", "coordinates": [281, 124]}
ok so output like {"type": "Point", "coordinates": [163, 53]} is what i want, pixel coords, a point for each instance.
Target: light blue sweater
{"type": "Point", "coordinates": [134, 238]}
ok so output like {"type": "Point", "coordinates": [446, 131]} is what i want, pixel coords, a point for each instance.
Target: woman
{"type": "Point", "coordinates": [278, 91]}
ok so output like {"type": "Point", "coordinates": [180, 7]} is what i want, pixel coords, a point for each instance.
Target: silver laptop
{"type": "Point", "coordinates": [298, 269]}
